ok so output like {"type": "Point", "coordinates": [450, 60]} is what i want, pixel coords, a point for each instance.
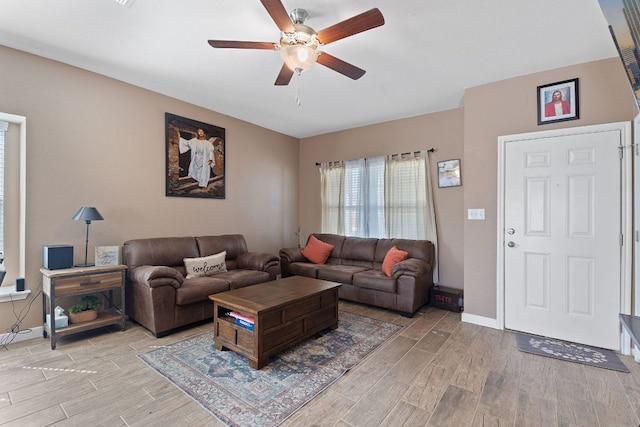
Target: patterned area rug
{"type": "Point", "coordinates": [225, 384]}
{"type": "Point", "coordinates": [592, 356]}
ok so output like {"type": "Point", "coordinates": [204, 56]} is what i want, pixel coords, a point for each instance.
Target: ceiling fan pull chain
{"type": "Point", "coordinates": [298, 101]}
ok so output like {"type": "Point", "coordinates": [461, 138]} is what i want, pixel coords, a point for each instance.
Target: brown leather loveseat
{"type": "Point", "coordinates": [357, 263]}
{"type": "Point", "coordinates": [159, 295]}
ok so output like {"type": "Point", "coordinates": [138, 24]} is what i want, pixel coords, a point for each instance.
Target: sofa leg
{"type": "Point", "coordinates": [407, 315]}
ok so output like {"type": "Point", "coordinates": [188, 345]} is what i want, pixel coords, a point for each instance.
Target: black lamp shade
{"type": "Point", "coordinates": [87, 214]}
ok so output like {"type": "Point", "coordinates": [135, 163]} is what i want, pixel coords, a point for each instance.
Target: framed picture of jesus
{"type": "Point", "coordinates": [195, 158]}
{"type": "Point", "coordinates": [558, 102]}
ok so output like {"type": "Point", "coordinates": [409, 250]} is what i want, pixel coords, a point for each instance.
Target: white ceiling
{"type": "Point", "coordinates": [419, 62]}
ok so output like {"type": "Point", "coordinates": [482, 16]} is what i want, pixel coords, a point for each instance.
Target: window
{"type": "Point", "coordinates": [13, 194]}
{"type": "Point", "coordinates": [364, 198]}
{"type": "Point", "coordinates": [378, 197]}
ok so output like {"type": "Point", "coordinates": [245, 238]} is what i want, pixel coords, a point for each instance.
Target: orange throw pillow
{"type": "Point", "coordinates": [393, 257]}
{"type": "Point", "coordinates": [317, 251]}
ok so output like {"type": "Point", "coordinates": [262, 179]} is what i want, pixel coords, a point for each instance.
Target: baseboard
{"type": "Point", "coordinates": [480, 320]}
{"type": "Point", "coordinates": [27, 334]}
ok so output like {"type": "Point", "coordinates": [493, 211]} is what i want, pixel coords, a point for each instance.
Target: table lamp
{"type": "Point", "coordinates": [87, 214]}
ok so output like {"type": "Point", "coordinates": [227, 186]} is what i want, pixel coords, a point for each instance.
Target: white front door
{"type": "Point", "coordinates": [562, 237]}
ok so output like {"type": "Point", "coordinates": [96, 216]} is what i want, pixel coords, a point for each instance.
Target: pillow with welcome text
{"type": "Point", "coordinates": [205, 266]}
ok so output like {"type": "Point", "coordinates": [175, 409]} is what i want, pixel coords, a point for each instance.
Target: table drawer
{"type": "Point", "coordinates": [87, 283]}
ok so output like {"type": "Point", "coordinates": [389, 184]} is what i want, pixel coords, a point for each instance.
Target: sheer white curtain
{"type": "Point", "coordinates": [409, 211]}
{"type": "Point", "coordinates": [332, 188]}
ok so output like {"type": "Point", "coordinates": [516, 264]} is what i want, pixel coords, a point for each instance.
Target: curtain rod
{"type": "Point", "coordinates": [430, 150]}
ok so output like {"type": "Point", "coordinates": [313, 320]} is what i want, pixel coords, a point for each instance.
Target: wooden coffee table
{"type": "Point", "coordinates": [285, 312]}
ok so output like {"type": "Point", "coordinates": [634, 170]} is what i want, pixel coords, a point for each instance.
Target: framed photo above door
{"type": "Point", "coordinates": [558, 102]}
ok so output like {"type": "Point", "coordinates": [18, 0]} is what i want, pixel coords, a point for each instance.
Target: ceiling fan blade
{"type": "Point", "coordinates": [365, 21]}
{"type": "Point", "coordinates": [279, 15]}
{"type": "Point", "coordinates": [242, 45]}
{"type": "Point", "coordinates": [285, 76]}
{"type": "Point", "coordinates": [340, 66]}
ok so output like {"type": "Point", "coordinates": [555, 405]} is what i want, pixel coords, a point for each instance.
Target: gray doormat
{"type": "Point", "coordinates": [571, 352]}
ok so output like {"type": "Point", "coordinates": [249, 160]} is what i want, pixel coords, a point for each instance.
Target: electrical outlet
{"type": "Point", "coordinates": [475, 214]}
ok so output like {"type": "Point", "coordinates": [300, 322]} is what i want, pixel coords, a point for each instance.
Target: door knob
{"type": "Point", "coordinates": [511, 231]}
{"type": "Point", "coordinates": [511, 244]}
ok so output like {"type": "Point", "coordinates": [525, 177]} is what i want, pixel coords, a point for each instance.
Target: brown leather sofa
{"type": "Point", "coordinates": [357, 263]}
{"type": "Point", "coordinates": [159, 297]}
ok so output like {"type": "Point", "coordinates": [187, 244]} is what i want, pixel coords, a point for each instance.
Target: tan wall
{"type": "Point", "coordinates": [509, 107]}
{"type": "Point", "coordinates": [92, 140]}
{"type": "Point", "coordinates": [95, 141]}
{"type": "Point", "coordinates": [442, 131]}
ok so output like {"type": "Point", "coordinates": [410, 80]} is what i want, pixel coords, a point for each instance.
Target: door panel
{"type": "Point", "coordinates": [562, 263]}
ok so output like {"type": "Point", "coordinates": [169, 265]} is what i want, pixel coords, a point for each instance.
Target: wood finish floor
{"type": "Point", "coordinates": [437, 371]}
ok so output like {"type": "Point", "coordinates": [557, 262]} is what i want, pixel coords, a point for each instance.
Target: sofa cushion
{"type": "Point", "coordinates": [168, 251]}
{"type": "Point", "coordinates": [393, 257]}
{"type": "Point", "coordinates": [338, 273]}
{"type": "Point", "coordinates": [303, 269]}
{"type": "Point", "coordinates": [233, 244]}
{"type": "Point", "coordinates": [240, 278]}
{"type": "Point", "coordinates": [205, 266]}
{"type": "Point", "coordinates": [199, 288]}
{"type": "Point", "coordinates": [375, 279]}
{"type": "Point", "coordinates": [359, 251]}
{"type": "Point", "coordinates": [317, 251]}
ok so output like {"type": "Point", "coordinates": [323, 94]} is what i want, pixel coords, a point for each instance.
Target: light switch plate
{"type": "Point", "coordinates": [475, 214]}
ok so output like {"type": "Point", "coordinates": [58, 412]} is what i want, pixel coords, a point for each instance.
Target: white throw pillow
{"type": "Point", "coordinates": [205, 266]}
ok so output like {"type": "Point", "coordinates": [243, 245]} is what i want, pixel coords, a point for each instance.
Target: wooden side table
{"type": "Point", "coordinates": [78, 281]}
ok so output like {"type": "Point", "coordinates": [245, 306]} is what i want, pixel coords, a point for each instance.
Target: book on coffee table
{"type": "Point", "coordinates": [244, 317]}
{"type": "Point", "coordinates": [241, 319]}
{"type": "Point", "coordinates": [247, 325]}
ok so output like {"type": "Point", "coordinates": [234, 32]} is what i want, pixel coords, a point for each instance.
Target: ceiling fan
{"type": "Point", "coordinates": [299, 43]}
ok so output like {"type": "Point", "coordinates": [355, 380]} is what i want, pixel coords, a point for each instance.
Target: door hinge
{"type": "Point", "coordinates": [621, 239]}
{"type": "Point", "coordinates": [621, 152]}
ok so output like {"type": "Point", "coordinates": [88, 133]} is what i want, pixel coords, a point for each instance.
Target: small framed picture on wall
{"type": "Point", "coordinates": [449, 173]}
{"type": "Point", "coordinates": [558, 102]}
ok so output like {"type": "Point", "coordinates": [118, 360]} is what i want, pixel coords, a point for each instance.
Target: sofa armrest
{"type": "Point", "coordinates": [292, 255]}
{"type": "Point", "coordinates": [257, 261]}
{"type": "Point", "coordinates": [412, 267]}
{"type": "Point", "coordinates": [156, 275]}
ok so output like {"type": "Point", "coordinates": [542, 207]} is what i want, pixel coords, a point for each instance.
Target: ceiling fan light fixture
{"type": "Point", "coordinates": [298, 57]}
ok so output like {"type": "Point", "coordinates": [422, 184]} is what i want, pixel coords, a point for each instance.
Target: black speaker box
{"type": "Point", "coordinates": [57, 257]}
{"type": "Point", "coordinates": [447, 298]}
{"type": "Point", "coordinates": [20, 284]}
